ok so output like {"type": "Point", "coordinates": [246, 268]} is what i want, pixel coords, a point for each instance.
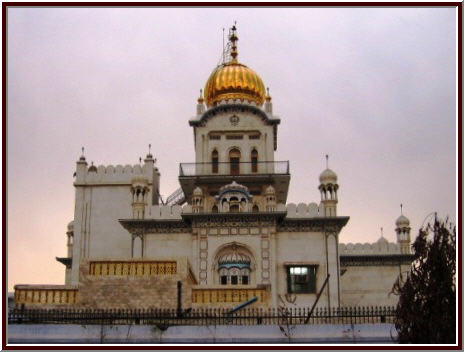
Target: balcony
{"type": "Point", "coordinates": [234, 168]}
{"type": "Point", "coordinates": [254, 175]}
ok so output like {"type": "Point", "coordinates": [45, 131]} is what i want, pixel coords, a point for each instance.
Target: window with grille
{"type": "Point", "coordinates": [301, 278]}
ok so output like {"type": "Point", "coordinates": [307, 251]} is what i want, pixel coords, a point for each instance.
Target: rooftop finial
{"type": "Point", "coordinates": [327, 161]}
{"type": "Point", "coordinates": [223, 47]}
{"type": "Point", "coordinates": [149, 156]}
{"type": "Point", "coordinates": [268, 96]}
{"type": "Point", "coordinates": [200, 99]}
{"type": "Point", "coordinates": [82, 158]}
{"type": "Point", "coordinates": [233, 40]}
{"type": "Point", "coordinates": [381, 232]}
{"type": "Point", "coordinates": [401, 207]}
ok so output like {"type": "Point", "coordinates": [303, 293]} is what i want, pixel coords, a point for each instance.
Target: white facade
{"type": "Point", "coordinates": [229, 226]}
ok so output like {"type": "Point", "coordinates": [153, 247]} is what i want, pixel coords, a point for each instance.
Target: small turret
{"type": "Point", "coordinates": [92, 167]}
{"type": "Point", "coordinates": [268, 103]}
{"type": "Point", "coordinates": [403, 231]}
{"type": "Point", "coordinates": [328, 188]}
{"type": "Point", "coordinates": [139, 192]}
{"type": "Point", "coordinates": [270, 199]}
{"type": "Point", "coordinates": [81, 168]}
{"type": "Point", "coordinates": [197, 200]}
{"type": "Point", "coordinates": [70, 237]}
{"type": "Point", "coordinates": [201, 104]}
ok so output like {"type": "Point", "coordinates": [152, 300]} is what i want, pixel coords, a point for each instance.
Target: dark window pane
{"type": "Point", "coordinates": [234, 280]}
{"type": "Point", "coordinates": [244, 280]}
{"type": "Point", "coordinates": [223, 280]}
{"type": "Point", "coordinates": [234, 166]}
{"type": "Point", "coordinates": [301, 279]}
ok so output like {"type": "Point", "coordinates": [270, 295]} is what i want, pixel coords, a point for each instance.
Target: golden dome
{"type": "Point", "coordinates": [234, 80]}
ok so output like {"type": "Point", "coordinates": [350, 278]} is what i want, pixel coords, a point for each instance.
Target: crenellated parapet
{"type": "Point", "coordinates": [382, 246]}
{"type": "Point", "coordinates": [302, 210]}
{"type": "Point", "coordinates": [111, 174]}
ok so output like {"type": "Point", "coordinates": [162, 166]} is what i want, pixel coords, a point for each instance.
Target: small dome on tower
{"type": "Point", "coordinates": [71, 226]}
{"type": "Point", "coordinates": [92, 168]}
{"type": "Point", "coordinates": [402, 221]}
{"type": "Point", "coordinates": [198, 192]}
{"type": "Point", "coordinates": [234, 80]}
{"type": "Point", "coordinates": [328, 176]}
{"type": "Point", "coordinates": [270, 190]}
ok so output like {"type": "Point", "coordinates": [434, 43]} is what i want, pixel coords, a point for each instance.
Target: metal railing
{"type": "Point", "coordinates": [208, 316]}
{"type": "Point", "coordinates": [176, 198]}
{"type": "Point", "coordinates": [235, 168]}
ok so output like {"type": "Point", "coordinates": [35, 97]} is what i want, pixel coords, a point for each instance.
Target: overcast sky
{"type": "Point", "coordinates": [372, 87]}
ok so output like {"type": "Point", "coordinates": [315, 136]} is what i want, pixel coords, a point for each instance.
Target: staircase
{"type": "Point", "coordinates": [176, 198]}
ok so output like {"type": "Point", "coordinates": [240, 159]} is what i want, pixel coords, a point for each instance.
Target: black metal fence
{"type": "Point", "coordinates": [213, 316]}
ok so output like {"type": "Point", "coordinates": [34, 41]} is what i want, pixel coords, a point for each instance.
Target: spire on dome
{"type": "Point", "coordinates": [233, 39]}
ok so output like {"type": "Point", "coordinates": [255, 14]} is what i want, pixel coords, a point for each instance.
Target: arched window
{"type": "Point", "coordinates": [255, 208]}
{"type": "Point", "coordinates": [254, 161]}
{"type": "Point", "coordinates": [214, 209]}
{"type": "Point", "coordinates": [215, 161]}
{"type": "Point", "coordinates": [234, 268]}
{"type": "Point", "coordinates": [234, 159]}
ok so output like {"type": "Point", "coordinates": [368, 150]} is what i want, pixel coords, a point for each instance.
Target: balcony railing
{"type": "Point", "coordinates": [235, 168]}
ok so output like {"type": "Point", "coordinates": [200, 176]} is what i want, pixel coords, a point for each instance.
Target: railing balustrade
{"type": "Point", "coordinates": [234, 168]}
{"type": "Point", "coordinates": [204, 316]}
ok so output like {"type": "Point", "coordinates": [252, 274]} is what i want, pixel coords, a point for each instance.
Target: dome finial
{"type": "Point", "coordinates": [233, 39]}
{"type": "Point", "coordinates": [327, 161]}
{"type": "Point", "coordinates": [401, 207]}
{"type": "Point", "coordinates": [381, 232]}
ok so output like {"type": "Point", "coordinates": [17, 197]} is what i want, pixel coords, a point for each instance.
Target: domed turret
{"type": "Point", "coordinates": [402, 221]}
{"type": "Point", "coordinates": [403, 237]}
{"type": "Point", "coordinates": [139, 191]}
{"type": "Point", "coordinates": [328, 187]}
{"type": "Point", "coordinates": [270, 199]}
{"type": "Point", "coordinates": [328, 177]}
{"type": "Point", "coordinates": [233, 80]}
{"type": "Point", "coordinates": [92, 168]}
{"type": "Point", "coordinates": [197, 200]}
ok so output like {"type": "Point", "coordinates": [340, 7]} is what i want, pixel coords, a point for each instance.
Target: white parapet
{"type": "Point", "coordinates": [303, 210]}
{"type": "Point", "coordinates": [118, 174]}
{"type": "Point", "coordinates": [382, 246]}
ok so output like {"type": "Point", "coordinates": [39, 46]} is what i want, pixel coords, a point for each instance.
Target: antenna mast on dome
{"type": "Point", "coordinates": [229, 50]}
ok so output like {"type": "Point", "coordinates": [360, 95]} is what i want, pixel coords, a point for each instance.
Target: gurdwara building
{"type": "Point", "coordinates": [227, 235]}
